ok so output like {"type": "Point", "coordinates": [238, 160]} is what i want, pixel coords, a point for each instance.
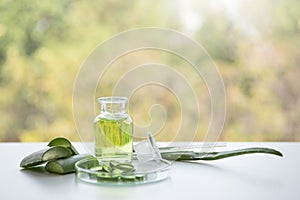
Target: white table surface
{"type": "Point", "coordinates": [256, 176]}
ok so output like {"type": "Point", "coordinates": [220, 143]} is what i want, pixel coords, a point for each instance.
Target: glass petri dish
{"type": "Point", "coordinates": [101, 171]}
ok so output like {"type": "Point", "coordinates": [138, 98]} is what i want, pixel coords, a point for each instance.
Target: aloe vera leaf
{"type": "Point", "coordinates": [63, 142]}
{"type": "Point", "coordinates": [45, 155]}
{"type": "Point", "coordinates": [65, 165]}
{"type": "Point", "coordinates": [190, 155]}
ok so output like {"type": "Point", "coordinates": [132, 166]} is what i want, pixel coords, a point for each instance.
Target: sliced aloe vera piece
{"type": "Point", "coordinates": [139, 177]}
{"type": "Point", "coordinates": [128, 178]}
{"type": "Point", "coordinates": [125, 167]}
{"type": "Point", "coordinates": [45, 155]}
{"type": "Point", "coordinates": [191, 155]}
{"type": "Point", "coordinates": [104, 176]}
{"type": "Point", "coordinates": [117, 171]}
{"type": "Point", "coordinates": [65, 165]}
{"type": "Point", "coordinates": [113, 163]}
{"type": "Point", "coordinates": [63, 142]}
{"type": "Point", "coordinates": [107, 168]}
{"type": "Point", "coordinates": [96, 169]}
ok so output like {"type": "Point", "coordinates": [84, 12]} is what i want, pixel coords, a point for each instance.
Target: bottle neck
{"type": "Point", "coordinates": [113, 105]}
{"type": "Point", "coordinates": [113, 108]}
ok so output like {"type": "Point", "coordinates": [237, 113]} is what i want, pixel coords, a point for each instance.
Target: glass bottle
{"type": "Point", "coordinates": [113, 129]}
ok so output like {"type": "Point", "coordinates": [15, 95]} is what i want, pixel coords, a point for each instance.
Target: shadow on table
{"type": "Point", "coordinates": [39, 171]}
{"type": "Point", "coordinates": [203, 164]}
{"type": "Point", "coordinates": [238, 174]}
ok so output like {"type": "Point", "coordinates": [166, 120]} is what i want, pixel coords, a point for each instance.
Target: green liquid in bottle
{"type": "Point", "coordinates": [113, 137]}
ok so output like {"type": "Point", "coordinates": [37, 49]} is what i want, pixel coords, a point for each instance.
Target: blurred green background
{"type": "Point", "coordinates": [254, 43]}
